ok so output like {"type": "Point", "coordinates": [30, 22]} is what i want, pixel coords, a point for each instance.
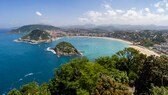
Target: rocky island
{"type": "Point", "coordinates": [65, 49]}
{"type": "Point", "coordinates": [36, 36]}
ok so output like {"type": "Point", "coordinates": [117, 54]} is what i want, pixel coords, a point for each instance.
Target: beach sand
{"type": "Point", "coordinates": [139, 48]}
{"type": "Point", "coordinates": [144, 50]}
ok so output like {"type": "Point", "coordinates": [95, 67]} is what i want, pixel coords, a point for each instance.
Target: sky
{"type": "Point", "coordinates": [15, 13]}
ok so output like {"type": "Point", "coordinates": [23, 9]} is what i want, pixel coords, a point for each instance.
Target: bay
{"type": "Point", "coordinates": [21, 63]}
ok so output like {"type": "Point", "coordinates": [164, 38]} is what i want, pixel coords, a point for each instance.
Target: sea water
{"type": "Point", "coordinates": [21, 63]}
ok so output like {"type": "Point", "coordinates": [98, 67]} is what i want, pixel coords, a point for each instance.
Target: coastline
{"type": "Point", "coordinates": [37, 42]}
{"type": "Point", "coordinates": [51, 50]}
{"type": "Point", "coordinates": [107, 38]}
{"type": "Point", "coordinates": [142, 49]}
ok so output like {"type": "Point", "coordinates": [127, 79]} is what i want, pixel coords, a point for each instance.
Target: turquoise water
{"type": "Point", "coordinates": [21, 63]}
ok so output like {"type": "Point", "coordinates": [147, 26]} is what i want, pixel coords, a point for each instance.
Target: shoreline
{"type": "Point", "coordinates": [144, 50]}
{"type": "Point", "coordinates": [106, 38]}
{"type": "Point", "coordinates": [51, 50]}
{"type": "Point", "coordinates": [37, 42]}
{"type": "Point", "coordinates": [141, 49]}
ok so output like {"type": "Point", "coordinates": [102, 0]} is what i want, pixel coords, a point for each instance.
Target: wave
{"type": "Point", "coordinates": [20, 79]}
{"type": "Point", "coordinates": [29, 74]}
{"type": "Point", "coordinates": [16, 40]}
{"type": "Point", "coordinates": [51, 50]}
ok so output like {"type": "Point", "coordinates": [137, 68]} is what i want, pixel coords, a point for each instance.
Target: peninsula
{"type": "Point", "coordinates": [36, 36]}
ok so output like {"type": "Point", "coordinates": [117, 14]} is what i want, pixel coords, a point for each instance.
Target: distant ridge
{"type": "Point", "coordinates": [90, 28]}
{"type": "Point", "coordinates": [28, 28]}
{"type": "Point", "coordinates": [118, 27]}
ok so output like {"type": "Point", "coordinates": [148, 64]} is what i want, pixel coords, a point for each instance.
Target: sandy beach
{"type": "Point", "coordinates": [144, 50]}
{"type": "Point", "coordinates": [139, 48]}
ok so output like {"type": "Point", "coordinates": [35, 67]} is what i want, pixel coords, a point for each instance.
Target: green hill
{"type": "Point", "coordinates": [36, 36]}
{"type": "Point", "coordinates": [65, 48]}
{"type": "Point", "coordinates": [29, 28]}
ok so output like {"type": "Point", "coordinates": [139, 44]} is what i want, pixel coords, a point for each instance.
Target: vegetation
{"type": "Point", "coordinates": [31, 89]}
{"type": "Point", "coordinates": [28, 28]}
{"type": "Point", "coordinates": [37, 35]}
{"type": "Point", "coordinates": [65, 48]}
{"type": "Point", "coordinates": [116, 75]}
{"type": "Point", "coordinates": [159, 90]}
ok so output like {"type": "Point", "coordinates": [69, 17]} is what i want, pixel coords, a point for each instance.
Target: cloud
{"type": "Point", "coordinates": [119, 11]}
{"type": "Point", "coordinates": [157, 5]}
{"type": "Point", "coordinates": [147, 9]}
{"type": "Point", "coordinates": [107, 6]}
{"type": "Point", "coordinates": [39, 13]}
{"type": "Point", "coordinates": [157, 15]}
{"type": "Point", "coordinates": [160, 10]}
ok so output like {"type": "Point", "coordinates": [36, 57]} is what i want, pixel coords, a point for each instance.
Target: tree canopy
{"type": "Point", "coordinates": [115, 75]}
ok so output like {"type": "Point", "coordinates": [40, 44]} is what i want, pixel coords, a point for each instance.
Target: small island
{"type": "Point", "coordinates": [36, 36]}
{"type": "Point", "coordinates": [65, 49]}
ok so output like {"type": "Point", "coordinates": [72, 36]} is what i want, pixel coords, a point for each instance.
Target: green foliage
{"type": "Point", "coordinates": [31, 89]}
{"type": "Point", "coordinates": [106, 62]}
{"type": "Point", "coordinates": [14, 92]}
{"type": "Point", "coordinates": [159, 90]}
{"type": "Point", "coordinates": [110, 65]}
{"type": "Point", "coordinates": [130, 61]}
{"type": "Point", "coordinates": [78, 75]}
{"type": "Point", "coordinates": [63, 48]}
{"type": "Point", "coordinates": [147, 43]}
{"type": "Point", "coordinates": [106, 76]}
{"type": "Point", "coordinates": [28, 28]}
{"type": "Point", "coordinates": [37, 35]}
{"type": "Point", "coordinates": [106, 86]}
{"type": "Point", "coordinates": [153, 72]}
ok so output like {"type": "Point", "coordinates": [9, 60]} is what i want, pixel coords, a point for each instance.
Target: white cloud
{"type": "Point", "coordinates": [107, 6]}
{"type": "Point", "coordinates": [147, 9]}
{"type": "Point", "coordinates": [39, 13]}
{"type": "Point", "coordinates": [166, 4]}
{"type": "Point", "coordinates": [160, 10]}
{"type": "Point", "coordinates": [111, 13]}
{"type": "Point", "coordinates": [136, 16]}
{"type": "Point", "coordinates": [94, 14]}
{"type": "Point", "coordinates": [131, 13]}
{"type": "Point", "coordinates": [157, 5]}
{"type": "Point", "coordinates": [119, 11]}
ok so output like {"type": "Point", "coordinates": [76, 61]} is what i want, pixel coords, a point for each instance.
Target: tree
{"type": "Point", "coordinates": [131, 61]}
{"type": "Point", "coordinates": [31, 89]}
{"type": "Point", "coordinates": [14, 92]}
{"type": "Point", "coordinates": [154, 72]}
{"type": "Point", "coordinates": [77, 76]}
{"type": "Point", "coordinates": [107, 86]}
{"type": "Point", "coordinates": [109, 64]}
{"type": "Point", "coordinates": [159, 90]}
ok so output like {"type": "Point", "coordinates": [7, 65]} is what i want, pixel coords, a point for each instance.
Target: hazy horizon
{"type": "Point", "coordinates": [80, 12]}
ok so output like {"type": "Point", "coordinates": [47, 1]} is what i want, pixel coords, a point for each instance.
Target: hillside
{"type": "Point", "coordinates": [66, 49]}
{"type": "Point", "coordinates": [29, 28]}
{"type": "Point", "coordinates": [36, 36]}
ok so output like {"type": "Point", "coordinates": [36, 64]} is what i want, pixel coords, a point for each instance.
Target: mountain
{"type": "Point", "coordinates": [29, 28]}
{"type": "Point", "coordinates": [117, 27]}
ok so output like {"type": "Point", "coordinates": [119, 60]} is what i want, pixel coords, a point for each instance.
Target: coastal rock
{"type": "Point", "coordinates": [66, 49]}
